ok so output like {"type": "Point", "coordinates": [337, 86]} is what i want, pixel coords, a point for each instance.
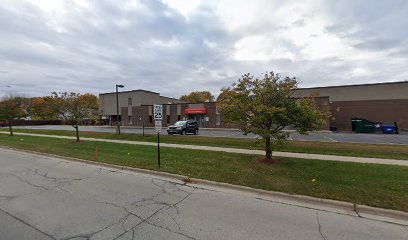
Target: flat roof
{"type": "Point", "coordinates": [356, 85]}
{"type": "Point", "coordinates": [179, 103]}
{"type": "Point", "coordinates": [138, 90]}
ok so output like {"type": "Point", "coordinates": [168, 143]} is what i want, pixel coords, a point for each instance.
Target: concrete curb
{"type": "Point", "coordinates": [381, 212]}
{"type": "Point", "coordinates": [301, 199]}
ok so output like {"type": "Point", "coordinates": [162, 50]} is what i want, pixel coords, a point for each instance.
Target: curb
{"type": "Point", "coordinates": [358, 209]}
{"type": "Point", "coordinates": [381, 212]}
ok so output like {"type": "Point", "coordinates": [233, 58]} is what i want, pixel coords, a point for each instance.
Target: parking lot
{"type": "Point", "coordinates": [346, 137]}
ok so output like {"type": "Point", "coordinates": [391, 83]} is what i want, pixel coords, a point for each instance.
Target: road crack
{"type": "Point", "coordinates": [27, 224]}
{"type": "Point", "coordinates": [165, 207]}
{"type": "Point", "coordinates": [28, 182]}
{"type": "Point", "coordinates": [168, 229]}
{"type": "Point", "coordinates": [320, 226]}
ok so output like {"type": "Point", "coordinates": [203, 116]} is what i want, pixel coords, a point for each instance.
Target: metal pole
{"type": "Point", "coordinates": [117, 112]}
{"type": "Point", "coordinates": [158, 148]}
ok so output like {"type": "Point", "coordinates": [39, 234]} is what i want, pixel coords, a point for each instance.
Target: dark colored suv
{"type": "Point", "coordinates": [183, 127]}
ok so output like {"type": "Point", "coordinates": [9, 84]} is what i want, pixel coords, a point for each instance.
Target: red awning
{"type": "Point", "coordinates": [190, 111]}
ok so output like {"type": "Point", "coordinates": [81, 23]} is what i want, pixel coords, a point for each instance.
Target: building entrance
{"type": "Point", "coordinates": [197, 117]}
{"type": "Point", "coordinates": [197, 114]}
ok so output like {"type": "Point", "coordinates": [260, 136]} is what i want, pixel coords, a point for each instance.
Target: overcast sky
{"type": "Point", "coordinates": [178, 46]}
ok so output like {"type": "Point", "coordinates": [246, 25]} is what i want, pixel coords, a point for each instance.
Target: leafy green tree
{"type": "Point", "coordinates": [198, 97]}
{"type": "Point", "coordinates": [74, 108]}
{"type": "Point", "coordinates": [11, 109]}
{"type": "Point", "coordinates": [266, 106]}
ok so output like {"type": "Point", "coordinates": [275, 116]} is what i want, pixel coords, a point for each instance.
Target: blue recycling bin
{"type": "Point", "coordinates": [390, 129]}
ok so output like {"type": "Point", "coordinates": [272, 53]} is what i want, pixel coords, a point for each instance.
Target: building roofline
{"type": "Point", "coordinates": [137, 90]}
{"type": "Point", "coordinates": [355, 85]}
{"type": "Point", "coordinates": [178, 103]}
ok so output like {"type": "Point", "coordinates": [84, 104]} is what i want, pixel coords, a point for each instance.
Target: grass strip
{"type": "Point", "coordinates": [328, 148]}
{"type": "Point", "coordinates": [368, 184]}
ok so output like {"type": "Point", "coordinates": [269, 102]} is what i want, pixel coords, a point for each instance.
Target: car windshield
{"type": "Point", "coordinates": [180, 123]}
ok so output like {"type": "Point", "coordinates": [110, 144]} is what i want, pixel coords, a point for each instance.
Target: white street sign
{"type": "Point", "coordinates": [158, 112]}
{"type": "Point", "coordinates": [158, 126]}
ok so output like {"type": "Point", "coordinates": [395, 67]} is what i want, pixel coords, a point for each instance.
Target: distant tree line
{"type": "Point", "coordinates": [71, 108]}
{"type": "Point", "coordinates": [198, 97]}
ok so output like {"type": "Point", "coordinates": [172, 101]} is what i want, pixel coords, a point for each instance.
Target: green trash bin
{"type": "Point", "coordinates": [364, 126]}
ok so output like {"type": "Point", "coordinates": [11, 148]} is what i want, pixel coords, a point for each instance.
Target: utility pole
{"type": "Point", "coordinates": [117, 108]}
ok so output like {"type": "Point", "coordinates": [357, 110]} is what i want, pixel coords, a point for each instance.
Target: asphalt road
{"type": "Point", "coordinates": [50, 198]}
{"type": "Point", "coordinates": [377, 138]}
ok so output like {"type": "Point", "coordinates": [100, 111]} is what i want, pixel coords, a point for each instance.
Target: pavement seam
{"type": "Point", "coordinates": [300, 198]}
{"type": "Point", "coordinates": [27, 224]}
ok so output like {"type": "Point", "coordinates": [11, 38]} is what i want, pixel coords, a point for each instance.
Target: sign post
{"type": "Point", "coordinates": [158, 117]}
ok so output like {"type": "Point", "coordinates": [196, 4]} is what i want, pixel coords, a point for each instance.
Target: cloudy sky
{"type": "Point", "coordinates": [177, 46]}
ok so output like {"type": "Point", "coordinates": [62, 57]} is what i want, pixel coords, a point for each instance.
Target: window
{"type": "Point", "coordinates": [150, 119]}
{"type": "Point", "coordinates": [129, 101]}
{"type": "Point", "coordinates": [168, 119]}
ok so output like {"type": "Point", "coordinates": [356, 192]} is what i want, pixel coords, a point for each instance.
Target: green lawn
{"type": "Point", "coordinates": [341, 149]}
{"type": "Point", "coordinates": [370, 184]}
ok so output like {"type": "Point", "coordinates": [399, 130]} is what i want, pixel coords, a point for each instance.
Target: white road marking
{"type": "Point", "coordinates": [331, 139]}
{"type": "Point", "coordinates": [380, 141]}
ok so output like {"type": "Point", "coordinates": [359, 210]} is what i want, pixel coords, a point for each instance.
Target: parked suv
{"type": "Point", "coordinates": [183, 127]}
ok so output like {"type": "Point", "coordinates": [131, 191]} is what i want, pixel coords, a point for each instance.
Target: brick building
{"type": "Point", "coordinates": [381, 102]}
{"type": "Point", "coordinates": [128, 100]}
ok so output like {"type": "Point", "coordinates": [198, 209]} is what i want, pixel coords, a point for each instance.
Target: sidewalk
{"type": "Point", "coordinates": [236, 150]}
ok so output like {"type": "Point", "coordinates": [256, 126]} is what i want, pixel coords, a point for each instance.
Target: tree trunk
{"type": "Point", "coordinates": [268, 148]}
{"type": "Point", "coordinates": [11, 129]}
{"type": "Point", "coordinates": [77, 133]}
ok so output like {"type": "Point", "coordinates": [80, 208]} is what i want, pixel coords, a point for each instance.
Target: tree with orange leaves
{"type": "Point", "coordinates": [75, 108]}
{"type": "Point", "coordinates": [11, 109]}
{"type": "Point", "coordinates": [198, 97]}
{"type": "Point", "coordinates": [44, 108]}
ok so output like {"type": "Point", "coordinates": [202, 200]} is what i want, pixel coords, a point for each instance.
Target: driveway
{"type": "Point", "coordinates": [346, 137]}
{"type": "Point", "coordinates": [51, 198]}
